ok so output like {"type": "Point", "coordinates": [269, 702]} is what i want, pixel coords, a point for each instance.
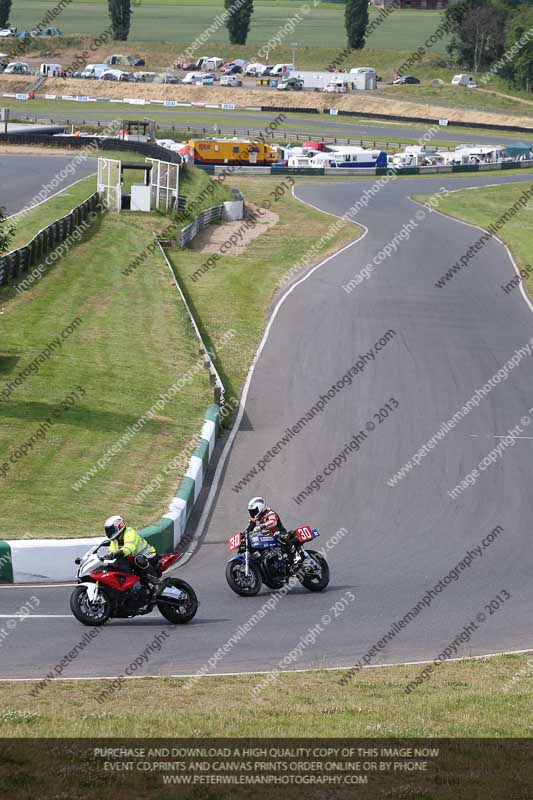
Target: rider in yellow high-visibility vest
{"type": "Point", "coordinates": [125, 541]}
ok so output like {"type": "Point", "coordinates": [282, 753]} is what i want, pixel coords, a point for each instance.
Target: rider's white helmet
{"type": "Point", "coordinates": [256, 506]}
{"type": "Point", "coordinates": [114, 526]}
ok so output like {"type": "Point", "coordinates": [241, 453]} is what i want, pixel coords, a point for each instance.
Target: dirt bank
{"type": "Point", "coordinates": [369, 102]}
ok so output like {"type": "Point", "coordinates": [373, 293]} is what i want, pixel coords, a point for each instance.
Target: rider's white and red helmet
{"type": "Point", "coordinates": [256, 506]}
{"type": "Point", "coordinates": [114, 526]}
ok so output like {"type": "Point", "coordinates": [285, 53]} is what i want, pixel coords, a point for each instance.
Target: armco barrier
{"type": "Point", "coordinates": [19, 261]}
{"type": "Point", "coordinates": [29, 560]}
{"type": "Point", "coordinates": [426, 120]}
{"type": "Point", "coordinates": [204, 218]}
{"type": "Point", "coordinates": [93, 142]}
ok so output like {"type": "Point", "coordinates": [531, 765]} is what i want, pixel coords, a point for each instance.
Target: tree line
{"type": "Point", "coordinates": [493, 34]}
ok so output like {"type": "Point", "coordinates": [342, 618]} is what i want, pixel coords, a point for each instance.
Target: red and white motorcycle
{"type": "Point", "coordinates": [109, 590]}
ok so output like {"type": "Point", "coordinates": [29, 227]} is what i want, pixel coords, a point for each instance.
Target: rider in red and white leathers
{"type": "Point", "coordinates": [268, 520]}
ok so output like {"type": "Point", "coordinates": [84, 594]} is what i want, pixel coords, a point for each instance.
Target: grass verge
{"type": "Point", "coordinates": [478, 698]}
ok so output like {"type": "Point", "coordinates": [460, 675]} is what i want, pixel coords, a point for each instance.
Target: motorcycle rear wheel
{"type": "Point", "coordinates": [181, 611]}
{"type": "Point", "coordinates": [312, 581]}
{"type": "Point", "coordinates": [88, 613]}
{"type": "Point", "coordinates": [239, 582]}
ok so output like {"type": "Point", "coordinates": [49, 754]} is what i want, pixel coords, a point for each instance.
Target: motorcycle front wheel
{"type": "Point", "coordinates": [314, 573]}
{"type": "Point", "coordinates": [87, 612]}
{"type": "Point", "coordinates": [180, 606]}
{"type": "Point", "coordinates": [242, 584]}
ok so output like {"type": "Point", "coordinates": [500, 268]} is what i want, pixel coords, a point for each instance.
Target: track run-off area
{"type": "Point", "coordinates": [414, 354]}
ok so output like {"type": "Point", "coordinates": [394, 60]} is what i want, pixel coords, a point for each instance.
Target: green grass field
{"type": "Point", "coordinates": [133, 343]}
{"type": "Point", "coordinates": [181, 22]}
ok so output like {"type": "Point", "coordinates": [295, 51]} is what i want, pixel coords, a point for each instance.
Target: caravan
{"type": "Point", "coordinates": [52, 70]}
{"type": "Point", "coordinates": [464, 80]}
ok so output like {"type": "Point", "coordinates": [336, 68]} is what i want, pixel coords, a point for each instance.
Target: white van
{"type": "Point", "coordinates": [51, 70]}
{"type": "Point", "coordinates": [282, 69]}
{"type": "Point", "coordinates": [464, 80]}
{"type": "Point", "coordinates": [94, 70]}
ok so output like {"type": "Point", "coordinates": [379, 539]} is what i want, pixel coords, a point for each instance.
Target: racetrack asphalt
{"type": "Point", "coordinates": [400, 540]}
{"type": "Point", "coordinates": [313, 125]}
{"type": "Point", "coordinates": [23, 177]}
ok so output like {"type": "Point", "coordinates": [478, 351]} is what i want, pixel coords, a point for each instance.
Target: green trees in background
{"type": "Point", "coordinates": [5, 10]}
{"type": "Point", "coordinates": [239, 19]}
{"type": "Point", "coordinates": [519, 34]}
{"type": "Point", "coordinates": [494, 33]}
{"type": "Point", "coordinates": [356, 21]}
{"type": "Point", "coordinates": [120, 14]}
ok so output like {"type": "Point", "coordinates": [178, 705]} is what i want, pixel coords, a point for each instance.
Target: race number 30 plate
{"type": "Point", "coordinates": [234, 542]}
{"type": "Point", "coordinates": [305, 534]}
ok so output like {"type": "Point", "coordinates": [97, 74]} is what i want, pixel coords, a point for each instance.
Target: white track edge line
{"type": "Point", "coordinates": [46, 199]}
{"type": "Point", "coordinates": [268, 672]}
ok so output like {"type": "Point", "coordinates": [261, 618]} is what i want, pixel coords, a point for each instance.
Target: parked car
{"type": "Point", "coordinates": [145, 77]}
{"type": "Point", "coordinates": [230, 80]}
{"type": "Point", "coordinates": [405, 79]}
{"type": "Point", "coordinates": [46, 32]}
{"type": "Point", "coordinates": [4, 32]}
{"type": "Point", "coordinates": [166, 79]}
{"type": "Point", "coordinates": [235, 69]}
{"type": "Point", "coordinates": [267, 71]}
{"type": "Point", "coordinates": [187, 66]}
{"type": "Point", "coordinates": [116, 75]}
{"type": "Point", "coordinates": [23, 35]}
{"type": "Point", "coordinates": [192, 77]}
{"type": "Point", "coordinates": [292, 84]}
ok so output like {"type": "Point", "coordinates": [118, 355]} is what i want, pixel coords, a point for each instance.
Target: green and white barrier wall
{"type": "Point", "coordinates": [47, 560]}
